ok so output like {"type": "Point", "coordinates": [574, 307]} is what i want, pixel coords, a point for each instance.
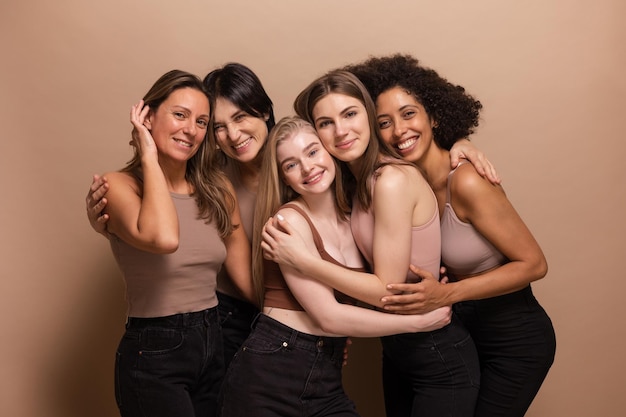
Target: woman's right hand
{"type": "Point", "coordinates": [95, 203]}
{"type": "Point", "coordinates": [436, 319]}
{"type": "Point", "coordinates": [142, 138]}
{"type": "Point", "coordinates": [282, 244]}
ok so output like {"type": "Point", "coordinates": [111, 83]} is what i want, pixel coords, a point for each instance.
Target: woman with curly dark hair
{"type": "Point", "coordinates": [489, 253]}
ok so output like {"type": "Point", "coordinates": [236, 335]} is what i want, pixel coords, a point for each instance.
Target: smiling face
{"type": "Point", "coordinates": [179, 124]}
{"type": "Point", "coordinates": [404, 123]}
{"type": "Point", "coordinates": [342, 125]}
{"type": "Point", "coordinates": [239, 134]}
{"type": "Point", "coordinates": [304, 163]}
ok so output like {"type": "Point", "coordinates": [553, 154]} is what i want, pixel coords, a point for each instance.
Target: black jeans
{"type": "Point", "coordinates": [282, 372]}
{"type": "Point", "coordinates": [431, 374]}
{"type": "Point", "coordinates": [170, 366]}
{"type": "Point", "coordinates": [516, 346]}
{"type": "Point", "coordinates": [236, 317]}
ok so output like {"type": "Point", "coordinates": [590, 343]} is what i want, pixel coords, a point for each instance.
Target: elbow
{"type": "Point", "coordinates": [165, 245]}
{"type": "Point", "coordinates": [539, 269]}
{"type": "Point", "coordinates": [329, 324]}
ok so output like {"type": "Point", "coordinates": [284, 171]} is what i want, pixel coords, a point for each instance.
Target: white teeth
{"type": "Point", "coordinates": [315, 178]}
{"type": "Point", "coordinates": [242, 144]}
{"type": "Point", "coordinates": [187, 144]}
{"type": "Point", "coordinates": [406, 144]}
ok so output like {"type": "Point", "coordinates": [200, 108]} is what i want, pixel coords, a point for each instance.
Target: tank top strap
{"type": "Point", "coordinates": [317, 239]}
{"type": "Point", "coordinates": [449, 177]}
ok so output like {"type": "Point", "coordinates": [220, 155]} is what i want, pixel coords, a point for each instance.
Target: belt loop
{"type": "Point", "coordinates": [292, 339]}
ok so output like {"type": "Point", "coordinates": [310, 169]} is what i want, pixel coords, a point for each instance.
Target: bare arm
{"type": "Point", "coordinates": [319, 301]}
{"type": "Point", "coordinates": [284, 245]}
{"type": "Point", "coordinates": [486, 207]}
{"type": "Point", "coordinates": [238, 256]}
{"type": "Point", "coordinates": [144, 215]}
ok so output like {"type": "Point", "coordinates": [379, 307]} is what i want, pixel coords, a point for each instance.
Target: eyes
{"type": "Point", "coordinates": [239, 118]}
{"type": "Point", "coordinates": [327, 122]}
{"type": "Point", "coordinates": [385, 122]}
{"type": "Point", "coordinates": [292, 163]}
{"type": "Point", "coordinates": [202, 122]}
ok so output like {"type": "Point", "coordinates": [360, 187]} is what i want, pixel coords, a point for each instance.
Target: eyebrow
{"type": "Point", "coordinates": [306, 148]}
{"type": "Point", "coordinates": [178, 106]}
{"type": "Point", "coordinates": [400, 109]}
{"type": "Point", "coordinates": [341, 112]}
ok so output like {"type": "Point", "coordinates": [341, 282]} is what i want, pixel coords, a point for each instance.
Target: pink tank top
{"type": "Point", "coordinates": [181, 282]}
{"type": "Point", "coordinates": [464, 251]}
{"type": "Point", "coordinates": [425, 239]}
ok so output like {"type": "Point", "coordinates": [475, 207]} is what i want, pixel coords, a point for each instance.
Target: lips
{"type": "Point", "coordinates": [243, 144]}
{"type": "Point", "coordinates": [313, 178]}
{"type": "Point", "coordinates": [345, 144]}
{"type": "Point", "coordinates": [184, 143]}
{"type": "Point", "coordinates": [406, 144]}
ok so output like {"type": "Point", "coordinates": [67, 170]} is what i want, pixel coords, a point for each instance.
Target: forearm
{"type": "Point", "coordinates": [505, 279]}
{"type": "Point", "coordinates": [360, 285]}
{"type": "Point", "coordinates": [360, 322]}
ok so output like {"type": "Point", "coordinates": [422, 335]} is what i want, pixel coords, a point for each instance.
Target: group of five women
{"type": "Point", "coordinates": [363, 206]}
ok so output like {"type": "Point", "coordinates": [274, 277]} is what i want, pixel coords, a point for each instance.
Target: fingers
{"type": "Point", "coordinates": [491, 173]}
{"type": "Point", "coordinates": [422, 273]}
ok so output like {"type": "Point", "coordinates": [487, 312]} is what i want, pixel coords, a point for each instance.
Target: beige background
{"type": "Point", "coordinates": [550, 74]}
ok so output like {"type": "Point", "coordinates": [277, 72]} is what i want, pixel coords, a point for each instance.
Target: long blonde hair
{"type": "Point", "coordinates": [210, 185]}
{"type": "Point", "coordinates": [274, 192]}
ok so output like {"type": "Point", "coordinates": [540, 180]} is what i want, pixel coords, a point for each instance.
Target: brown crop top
{"type": "Point", "coordinates": [464, 251]}
{"type": "Point", "coordinates": [277, 293]}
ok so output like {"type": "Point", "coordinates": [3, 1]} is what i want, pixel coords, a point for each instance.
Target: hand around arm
{"type": "Point", "coordinates": [334, 318]}
{"type": "Point", "coordinates": [95, 201]}
{"type": "Point", "coordinates": [283, 244]}
{"type": "Point", "coordinates": [465, 149]}
{"type": "Point", "coordinates": [419, 297]}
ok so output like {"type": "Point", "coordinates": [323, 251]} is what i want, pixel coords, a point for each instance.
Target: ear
{"type": "Point", "coordinates": [148, 120]}
{"type": "Point", "coordinates": [266, 117]}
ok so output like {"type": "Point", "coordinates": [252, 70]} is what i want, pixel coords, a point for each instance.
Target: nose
{"type": "Point", "coordinates": [305, 167]}
{"type": "Point", "coordinates": [399, 128]}
{"type": "Point", "coordinates": [233, 131]}
{"type": "Point", "coordinates": [190, 127]}
{"type": "Point", "coordinates": [340, 128]}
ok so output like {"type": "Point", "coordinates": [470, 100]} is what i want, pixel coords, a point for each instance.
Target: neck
{"type": "Point", "coordinates": [174, 174]}
{"type": "Point", "coordinates": [435, 167]}
{"type": "Point", "coordinates": [320, 205]}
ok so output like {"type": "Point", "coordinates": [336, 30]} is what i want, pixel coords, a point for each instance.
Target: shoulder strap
{"type": "Point", "coordinates": [450, 177]}
{"type": "Point", "coordinates": [317, 239]}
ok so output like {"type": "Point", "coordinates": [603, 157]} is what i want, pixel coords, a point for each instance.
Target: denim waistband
{"type": "Point", "coordinates": [241, 306]}
{"type": "Point", "coordinates": [176, 320]}
{"type": "Point", "coordinates": [267, 326]}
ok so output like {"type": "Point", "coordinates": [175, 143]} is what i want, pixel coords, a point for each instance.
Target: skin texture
{"type": "Point", "coordinates": [307, 168]}
{"type": "Point", "coordinates": [143, 214]}
{"type": "Point", "coordinates": [402, 200]}
{"type": "Point", "coordinates": [477, 202]}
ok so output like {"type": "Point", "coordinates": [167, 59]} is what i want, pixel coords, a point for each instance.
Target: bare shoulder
{"type": "Point", "coordinates": [397, 175]}
{"type": "Point", "coordinates": [400, 178]}
{"type": "Point", "coordinates": [122, 183]}
{"type": "Point", "coordinates": [467, 185]}
{"type": "Point", "coordinates": [296, 220]}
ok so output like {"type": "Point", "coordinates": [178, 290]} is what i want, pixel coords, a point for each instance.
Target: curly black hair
{"type": "Point", "coordinates": [455, 112]}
